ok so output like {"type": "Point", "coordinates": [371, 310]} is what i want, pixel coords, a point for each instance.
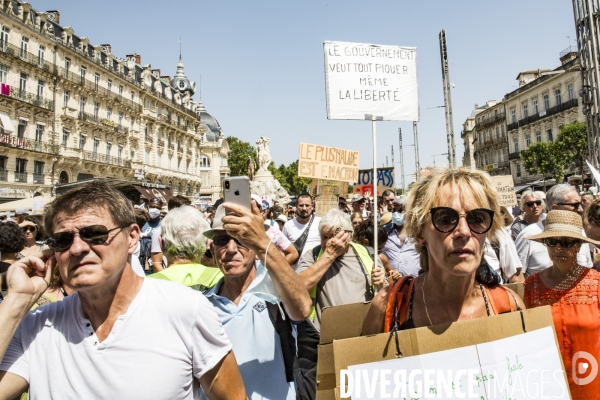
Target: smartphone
{"type": "Point", "coordinates": [237, 190]}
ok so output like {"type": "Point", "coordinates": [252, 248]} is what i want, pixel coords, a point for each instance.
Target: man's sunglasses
{"type": "Point", "coordinates": [574, 205]}
{"type": "Point", "coordinates": [29, 228]}
{"type": "Point", "coordinates": [93, 235]}
{"type": "Point", "coordinates": [531, 203]}
{"type": "Point", "coordinates": [156, 200]}
{"type": "Point", "coordinates": [445, 219]}
{"type": "Point", "coordinates": [564, 243]}
{"type": "Point", "coordinates": [223, 240]}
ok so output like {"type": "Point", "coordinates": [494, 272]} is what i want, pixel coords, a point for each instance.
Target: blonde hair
{"type": "Point", "coordinates": [426, 195]}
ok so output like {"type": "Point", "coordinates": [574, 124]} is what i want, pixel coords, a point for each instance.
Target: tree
{"type": "Point", "coordinates": [290, 180]}
{"type": "Point", "coordinates": [573, 142]}
{"type": "Point", "coordinates": [545, 158]}
{"type": "Point", "coordinates": [238, 156]}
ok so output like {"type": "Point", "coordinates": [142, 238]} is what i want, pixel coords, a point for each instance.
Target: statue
{"type": "Point", "coordinates": [251, 167]}
{"type": "Point", "coordinates": [263, 154]}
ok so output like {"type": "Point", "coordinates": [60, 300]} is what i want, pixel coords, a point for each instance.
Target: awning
{"type": "Point", "coordinates": [150, 193]}
{"type": "Point", "coordinates": [520, 188]}
{"type": "Point", "coordinates": [6, 122]}
{"type": "Point", "coordinates": [35, 203]}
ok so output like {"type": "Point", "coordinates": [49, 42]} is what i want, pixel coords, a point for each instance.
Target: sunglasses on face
{"type": "Point", "coordinates": [564, 243]}
{"type": "Point", "coordinates": [223, 240]}
{"type": "Point", "coordinates": [29, 228]}
{"type": "Point", "coordinates": [531, 203]}
{"type": "Point", "coordinates": [156, 200]}
{"type": "Point", "coordinates": [574, 205]}
{"type": "Point", "coordinates": [445, 219]}
{"type": "Point", "coordinates": [93, 235]}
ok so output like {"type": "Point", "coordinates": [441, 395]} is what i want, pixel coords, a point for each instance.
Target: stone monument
{"type": "Point", "coordinates": [263, 182]}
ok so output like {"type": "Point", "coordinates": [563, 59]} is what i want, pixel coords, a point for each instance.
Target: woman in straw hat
{"type": "Point", "coordinates": [572, 291]}
{"type": "Point", "coordinates": [449, 215]}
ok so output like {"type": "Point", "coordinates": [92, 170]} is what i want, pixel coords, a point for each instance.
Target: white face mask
{"type": "Point", "coordinates": [154, 213]}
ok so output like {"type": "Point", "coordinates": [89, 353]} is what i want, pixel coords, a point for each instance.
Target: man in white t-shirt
{"type": "Point", "coordinates": [106, 340]}
{"type": "Point", "coordinates": [294, 228]}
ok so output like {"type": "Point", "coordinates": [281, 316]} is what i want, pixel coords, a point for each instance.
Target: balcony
{"type": "Point", "coordinates": [105, 159]}
{"type": "Point", "coordinates": [26, 97]}
{"type": "Point", "coordinates": [38, 179]}
{"type": "Point", "coordinates": [171, 146]}
{"type": "Point", "coordinates": [27, 144]}
{"type": "Point", "coordinates": [25, 56]}
{"type": "Point", "coordinates": [3, 176]}
{"type": "Point", "coordinates": [515, 155]}
{"type": "Point", "coordinates": [161, 143]}
{"type": "Point", "coordinates": [21, 177]}
{"type": "Point", "coordinates": [149, 139]}
{"type": "Point", "coordinates": [513, 126]}
{"type": "Point", "coordinates": [103, 122]}
{"type": "Point", "coordinates": [543, 114]}
{"type": "Point", "coordinates": [488, 121]}
{"type": "Point", "coordinates": [189, 152]}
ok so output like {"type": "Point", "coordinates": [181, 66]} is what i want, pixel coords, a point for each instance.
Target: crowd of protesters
{"type": "Point", "coordinates": [106, 299]}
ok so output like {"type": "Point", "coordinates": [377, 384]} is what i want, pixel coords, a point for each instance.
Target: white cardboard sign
{"type": "Point", "coordinates": [368, 79]}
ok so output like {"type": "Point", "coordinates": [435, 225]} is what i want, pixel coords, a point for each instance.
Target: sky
{"type": "Point", "coordinates": [261, 62]}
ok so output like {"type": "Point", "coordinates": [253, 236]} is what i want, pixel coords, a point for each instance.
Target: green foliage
{"type": "Point", "coordinates": [290, 180]}
{"type": "Point", "coordinates": [573, 142]}
{"type": "Point", "coordinates": [399, 192]}
{"type": "Point", "coordinates": [545, 158]}
{"type": "Point", "coordinates": [238, 156]}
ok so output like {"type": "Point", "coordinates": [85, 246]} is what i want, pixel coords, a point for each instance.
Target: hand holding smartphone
{"type": "Point", "coordinates": [237, 190]}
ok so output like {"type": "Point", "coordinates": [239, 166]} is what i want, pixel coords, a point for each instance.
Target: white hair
{"type": "Point", "coordinates": [335, 218]}
{"type": "Point", "coordinates": [558, 193]}
{"type": "Point", "coordinates": [535, 195]}
{"type": "Point", "coordinates": [183, 233]}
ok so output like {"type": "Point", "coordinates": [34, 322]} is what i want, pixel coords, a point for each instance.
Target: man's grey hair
{"type": "Point", "coordinates": [535, 195]}
{"type": "Point", "coordinates": [183, 233]}
{"type": "Point", "coordinates": [558, 193]}
{"type": "Point", "coordinates": [335, 218]}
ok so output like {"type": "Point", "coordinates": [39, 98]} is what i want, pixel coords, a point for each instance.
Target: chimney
{"type": "Point", "coordinates": [54, 15]}
{"type": "Point", "coordinates": [155, 73]}
{"type": "Point", "coordinates": [135, 57]}
{"type": "Point", "coordinates": [476, 106]}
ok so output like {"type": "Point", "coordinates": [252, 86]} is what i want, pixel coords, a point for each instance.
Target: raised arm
{"type": "Point", "coordinates": [335, 247]}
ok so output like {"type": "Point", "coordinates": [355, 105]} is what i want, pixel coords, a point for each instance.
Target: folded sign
{"type": "Point", "coordinates": [324, 162]}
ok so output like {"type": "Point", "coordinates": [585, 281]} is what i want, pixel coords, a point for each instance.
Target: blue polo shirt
{"type": "Point", "coordinates": [256, 344]}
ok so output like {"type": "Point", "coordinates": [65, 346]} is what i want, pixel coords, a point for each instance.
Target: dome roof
{"type": "Point", "coordinates": [181, 82]}
{"type": "Point", "coordinates": [210, 122]}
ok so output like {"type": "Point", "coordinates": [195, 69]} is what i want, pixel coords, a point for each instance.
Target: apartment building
{"type": "Point", "coordinates": [72, 111]}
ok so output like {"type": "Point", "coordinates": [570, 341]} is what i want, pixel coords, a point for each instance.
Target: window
{"type": "Point", "coordinates": [65, 137]}
{"type": "Point", "coordinates": [179, 188]}
{"type": "Point", "coordinates": [518, 170]}
{"type": "Point", "coordinates": [96, 145]}
{"type": "Point", "coordinates": [109, 85]}
{"type": "Point", "coordinates": [546, 102]}
{"type": "Point", "coordinates": [21, 166]}
{"type": "Point", "coordinates": [535, 107]}
{"type": "Point", "coordinates": [120, 119]}
{"type": "Point", "coordinates": [121, 90]}
{"type": "Point", "coordinates": [513, 116]}
{"type": "Point", "coordinates": [40, 89]}
{"type": "Point", "coordinates": [187, 166]}
{"type": "Point", "coordinates": [3, 73]}
{"type": "Point", "coordinates": [497, 132]}
{"type": "Point", "coordinates": [527, 140]}
{"type": "Point", "coordinates": [525, 111]}
{"type": "Point", "coordinates": [96, 109]}
{"type": "Point", "coordinates": [204, 161]}
{"type": "Point", "coordinates": [108, 148]}
{"type": "Point", "coordinates": [503, 132]}
{"type": "Point", "coordinates": [119, 152]}
{"type": "Point", "coordinates": [96, 81]}
{"type": "Point", "coordinates": [132, 97]}
{"type": "Point", "coordinates": [81, 141]}
{"type": "Point", "coordinates": [82, 104]}
{"type": "Point", "coordinates": [21, 128]}
{"type": "Point", "coordinates": [39, 132]}
{"type": "Point", "coordinates": [66, 96]}
{"type": "Point", "coordinates": [24, 46]}
{"type": "Point", "coordinates": [550, 137]}
{"type": "Point", "coordinates": [170, 163]}
{"type": "Point", "coordinates": [158, 157]}
{"type": "Point", "coordinates": [570, 90]}
{"type": "Point", "coordinates": [557, 97]}
{"type": "Point", "coordinates": [108, 113]}
{"type": "Point", "coordinates": [67, 64]}
{"type": "Point", "coordinates": [4, 36]}
{"type": "Point", "coordinates": [538, 136]}
{"type": "Point", "coordinates": [131, 124]}
{"type": "Point", "coordinates": [38, 168]}
{"type": "Point", "coordinates": [23, 82]}
{"type": "Point", "coordinates": [147, 156]}
{"type": "Point", "coordinates": [41, 51]}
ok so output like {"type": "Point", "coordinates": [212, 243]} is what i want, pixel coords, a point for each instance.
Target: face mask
{"type": "Point", "coordinates": [154, 213]}
{"type": "Point", "coordinates": [398, 219]}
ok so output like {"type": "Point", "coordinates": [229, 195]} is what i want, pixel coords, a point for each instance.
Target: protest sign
{"type": "Point", "coordinates": [371, 79]}
{"type": "Point", "coordinates": [364, 183]}
{"type": "Point", "coordinates": [324, 162]}
{"type": "Point", "coordinates": [505, 187]}
{"type": "Point", "coordinates": [326, 194]}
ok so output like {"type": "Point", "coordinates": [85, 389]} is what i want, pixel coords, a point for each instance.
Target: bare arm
{"type": "Point", "coordinates": [518, 277]}
{"type": "Point", "coordinates": [291, 254]}
{"type": "Point", "coordinates": [248, 228]}
{"type": "Point", "coordinates": [157, 261]}
{"type": "Point", "coordinates": [224, 381]}
{"type": "Point", "coordinates": [373, 322]}
{"type": "Point", "coordinates": [335, 247]}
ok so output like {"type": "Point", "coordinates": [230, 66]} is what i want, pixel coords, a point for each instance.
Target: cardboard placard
{"type": "Point", "coordinates": [505, 187]}
{"type": "Point", "coordinates": [385, 180]}
{"type": "Point", "coordinates": [371, 79]}
{"type": "Point", "coordinates": [326, 194]}
{"type": "Point", "coordinates": [324, 162]}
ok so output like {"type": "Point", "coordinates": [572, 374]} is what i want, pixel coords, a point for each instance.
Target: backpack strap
{"type": "Point", "coordinates": [501, 300]}
{"type": "Point", "coordinates": [397, 303]}
{"type": "Point", "coordinates": [286, 338]}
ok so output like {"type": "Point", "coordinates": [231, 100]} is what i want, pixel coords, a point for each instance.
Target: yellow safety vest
{"type": "Point", "coordinates": [363, 256]}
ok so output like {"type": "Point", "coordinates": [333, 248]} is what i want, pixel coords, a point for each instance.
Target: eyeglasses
{"type": "Point", "coordinates": [445, 219]}
{"type": "Point", "coordinates": [564, 243]}
{"type": "Point", "coordinates": [574, 205]}
{"type": "Point", "coordinates": [156, 200]}
{"type": "Point", "coordinates": [93, 235]}
{"type": "Point", "coordinates": [531, 203]}
{"type": "Point", "coordinates": [223, 240]}
{"type": "Point", "coordinates": [29, 228]}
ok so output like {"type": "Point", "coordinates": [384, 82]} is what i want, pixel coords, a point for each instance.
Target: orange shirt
{"type": "Point", "coordinates": [576, 315]}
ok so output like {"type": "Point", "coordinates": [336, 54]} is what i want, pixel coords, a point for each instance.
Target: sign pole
{"type": "Point", "coordinates": [375, 184]}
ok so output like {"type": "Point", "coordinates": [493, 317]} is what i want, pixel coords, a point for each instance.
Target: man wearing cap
{"type": "Point", "coordinates": [534, 255]}
{"type": "Point", "coordinates": [358, 205]}
{"type": "Point", "coordinates": [343, 205]}
{"type": "Point", "coordinates": [240, 298]}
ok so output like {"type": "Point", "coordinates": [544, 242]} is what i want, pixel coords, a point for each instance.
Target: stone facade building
{"type": "Point", "coordinates": [71, 110]}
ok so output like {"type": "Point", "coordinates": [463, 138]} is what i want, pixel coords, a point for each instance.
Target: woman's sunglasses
{"type": "Point", "coordinates": [29, 228]}
{"type": "Point", "coordinates": [93, 235]}
{"type": "Point", "coordinates": [564, 243]}
{"type": "Point", "coordinates": [531, 203]}
{"type": "Point", "coordinates": [445, 219]}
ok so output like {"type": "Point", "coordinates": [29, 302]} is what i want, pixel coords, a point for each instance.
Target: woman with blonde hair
{"type": "Point", "coordinates": [449, 215]}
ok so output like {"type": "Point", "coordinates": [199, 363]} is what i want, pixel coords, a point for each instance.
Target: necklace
{"type": "Point", "coordinates": [571, 278]}
{"type": "Point", "coordinates": [425, 303]}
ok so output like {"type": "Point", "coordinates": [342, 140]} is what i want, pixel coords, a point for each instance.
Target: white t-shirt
{"type": "Point", "coordinates": [169, 336]}
{"type": "Point", "coordinates": [509, 261]}
{"type": "Point", "coordinates": [534, 255]}
{"type": "Point", "coordinates": [135, 262]}
{"type": "Point", "coordinates": [293, 229]}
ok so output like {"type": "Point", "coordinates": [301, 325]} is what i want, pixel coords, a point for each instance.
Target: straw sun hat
{"type": "Point", "coordinates": [560, 223]}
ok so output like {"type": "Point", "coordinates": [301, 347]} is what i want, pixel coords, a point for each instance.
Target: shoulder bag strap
{"type": "Point", "coordinates": [501, 300]}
